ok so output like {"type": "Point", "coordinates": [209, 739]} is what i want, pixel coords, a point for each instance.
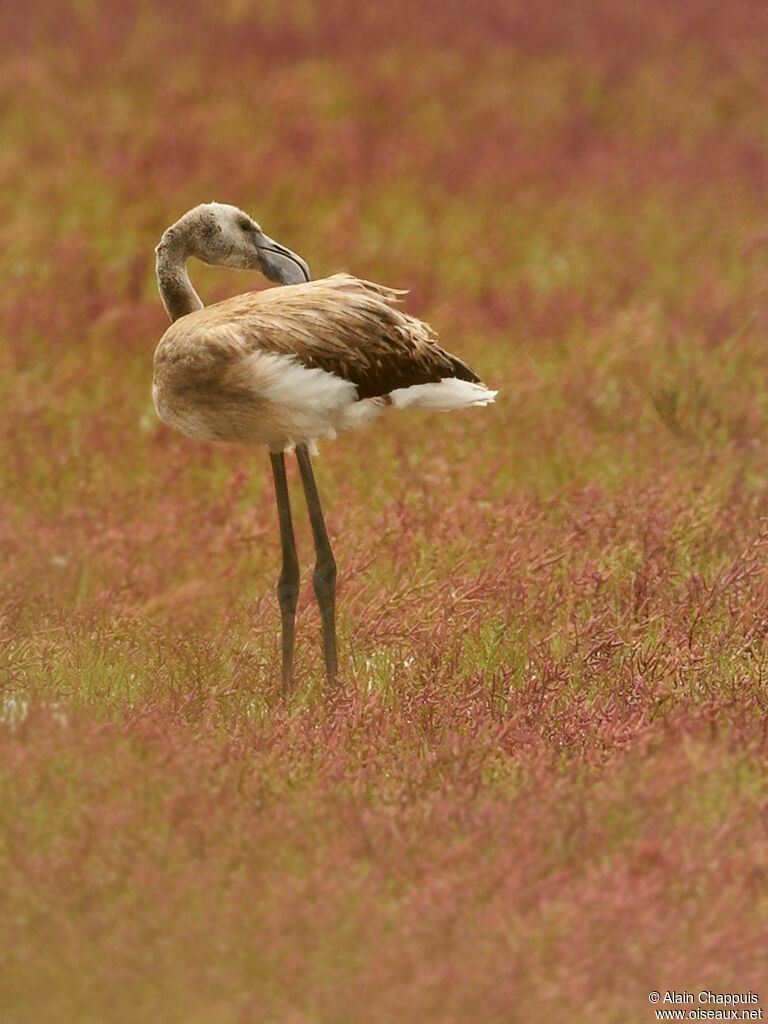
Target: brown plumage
{"type": "Point", "coordinates": [213, 382]}
{"type": "Point", "coordinates": [342, 325]}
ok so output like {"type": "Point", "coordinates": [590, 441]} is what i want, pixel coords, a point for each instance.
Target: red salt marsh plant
{"type": "Point", "coordinates": [540, 792]}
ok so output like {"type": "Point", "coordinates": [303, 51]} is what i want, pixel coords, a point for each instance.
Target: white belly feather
{"type": "Point", "coordinates": [272, 399]}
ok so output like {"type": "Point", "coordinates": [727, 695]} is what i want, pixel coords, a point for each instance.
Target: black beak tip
{"type": "Point", "coordinates": [283, 266]}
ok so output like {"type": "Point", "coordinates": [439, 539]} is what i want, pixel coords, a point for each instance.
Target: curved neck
{"type": "Point", "coordinates": [176, 291]}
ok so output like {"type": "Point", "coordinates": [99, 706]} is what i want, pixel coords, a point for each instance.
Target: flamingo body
{"type": "Point", "coordinates": [306, 361]}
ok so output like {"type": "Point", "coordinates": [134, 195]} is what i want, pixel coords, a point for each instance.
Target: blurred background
{"type": "Point", "coordinates": [553, 611]}
{"type": "Point", "coordinates": [574, 196]}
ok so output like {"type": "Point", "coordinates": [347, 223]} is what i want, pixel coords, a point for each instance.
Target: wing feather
{"type": "Point", "coordinates": [341, 324]}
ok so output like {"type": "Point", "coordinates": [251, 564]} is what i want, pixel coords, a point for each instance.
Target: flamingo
{"type": "Point", "coordinates": [287, 366]}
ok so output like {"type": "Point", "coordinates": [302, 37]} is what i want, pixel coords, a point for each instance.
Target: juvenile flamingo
{"type": "Point", "coordinates": [287, 366]}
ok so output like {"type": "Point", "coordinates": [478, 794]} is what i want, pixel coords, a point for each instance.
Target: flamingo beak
{"type": "Point", "coordinates": [279, 264]}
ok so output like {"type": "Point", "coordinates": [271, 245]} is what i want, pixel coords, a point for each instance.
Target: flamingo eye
{"type": "Point", "coordinates": [245, 224]}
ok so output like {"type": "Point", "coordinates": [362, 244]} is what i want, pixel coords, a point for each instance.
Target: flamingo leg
{"type": "Point", "coordinates": [324, 578]}
{"type": "Point", "coordinates": [288, 582]}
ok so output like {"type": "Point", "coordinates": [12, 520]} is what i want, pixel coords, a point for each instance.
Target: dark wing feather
{"type": "Point", "coordinates": [346, 326]}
